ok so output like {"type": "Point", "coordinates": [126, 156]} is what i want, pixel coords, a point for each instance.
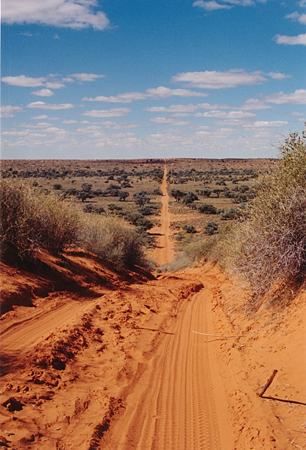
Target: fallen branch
{"type": "Point", "coordinates": [268, 383]}
{"type": "Point", "coordinates": [216, 335]}
{"type": "Point", "coordinates": [154, 329]}
{"type": "Point", "coordinates": [285, 400]}
{"type": "Point", "coordinates": [261, 394]}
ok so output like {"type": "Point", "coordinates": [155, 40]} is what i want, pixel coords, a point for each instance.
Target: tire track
{"type": "Point", "coordinates": [177, 408]}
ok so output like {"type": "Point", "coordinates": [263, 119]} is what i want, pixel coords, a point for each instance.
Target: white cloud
{"type": "Point", "coordinates": [54, 84]}
{"type": "Point", "coordinates": [83, 76]}
{"type": "Point", "coordinates": [9, 110]}
{"type": "Point", "coordinates": [101, 113]}
{"type": "Point", "coordinates": [158, 92]}
{"type": "Point", "coordinates": [219, 80]}
{"type": "Point", "coordinates": [254, 104]}
{"type": "Point", "coordinates": [184, 109]}
{"type": "Point", "coordinates": [266, 124]}
{"type": "Point", "coordinates": [214, 5]}
{"type": "Point", "coordinates": [298, 97]}
{"type": "Point", "coordinates": [43, 93]}
{"type": "Point", "coordinates": [127, 97]}
{"type": "Point", "coordinates": [70, 122]}
{"type": "Point", "coordinates": [175, 109]}
{"type": "Point", "coordinates": [226, 115]}
{"type": "Point", "coordinates": [211, 5]}
{"type": "Point", "coordinates": [49, 81]}
{"type": "Point", "coordinates": [24, 81]}
{"type": "Point", "coordinates": [164, 92]}
{"type": "Point", "coordinates": [301, 18]}
{"type": "Point", "coordinates": [299, 39]}
{"type": "Point", "coordinates": [169, 121]}
{"type": "Point", "coordinates": [278, 75]}
{"type": "Point", "coordinates": [76, 14]}
{"type": "Point", "coordinates": [50, 106]}
{"type": "Point", "coordinates": [40, 117]}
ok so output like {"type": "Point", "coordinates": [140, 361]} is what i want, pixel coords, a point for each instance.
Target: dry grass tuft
{"type": "Point", "coordinates": [113, 240]}
{"type": "Point", "coordinates": [32, 220]}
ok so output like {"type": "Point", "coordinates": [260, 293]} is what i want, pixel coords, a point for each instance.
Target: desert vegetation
{"type": "Point", "coordinates": [126, 190]}
{"type": "Point", "coordinates": [209, 195]}
{"type": "Point", "coordinates": [265, 239]}
{"type": "Point", "coordinates": [270, 242]}
{"type": "Point", "coordinates": [32, 220]}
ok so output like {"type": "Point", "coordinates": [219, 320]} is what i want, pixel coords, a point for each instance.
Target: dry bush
{"type": "Point", "coordinates": [270, 244]}
{"type": "Point", "coordinates": [113, 240]}
{"type": "Point", "coordinates": [31, 220]}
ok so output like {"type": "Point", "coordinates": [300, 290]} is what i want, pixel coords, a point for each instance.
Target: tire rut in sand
{"type": "Point", "coordinates": [176, 409]}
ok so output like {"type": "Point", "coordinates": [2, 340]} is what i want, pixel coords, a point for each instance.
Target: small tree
{"type": "Point", "coordinates": [123, 195]}
{"type": "Point", "coordinates": [211, 228]}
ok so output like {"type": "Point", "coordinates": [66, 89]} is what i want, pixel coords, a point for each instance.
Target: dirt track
{"type": "Point", "coordinates": [164, 253]}
{"type": "Point", "coordinates": [179, 401]}
{"type": "Point", "coordinates": [26, 333]}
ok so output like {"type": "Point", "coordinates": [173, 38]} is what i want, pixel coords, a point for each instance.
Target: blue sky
{"type": "Point", "coordinates": [163, 78]}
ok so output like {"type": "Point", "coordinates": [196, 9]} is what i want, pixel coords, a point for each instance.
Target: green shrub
{"type": "Point", "coordinates": [207, 209]}
{"type": "Point", "coordinates": [189, 229]}
{"type": "Point", "coordinates": [211, 228]}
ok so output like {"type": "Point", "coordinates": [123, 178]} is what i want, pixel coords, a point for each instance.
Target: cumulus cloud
{"type": "Point", "coordinates": [76, 14]}
{"type": "Point", "coordinates": [126, 97]}
{"type": "Point", "coordinates": [266, 124]}
{"type": "Point", "coordinates": [158, 92]}
{"type": "Point", "coordinates": [301, 18]}
{"type": "Point", "coordinates": [43, 93]}
{"type": "Point", "coordinates": [299, 39]}
{"type": "Point", "coordinates": [165, 92]}
{"type": "Point", "coordinates": [226, 115]}
{"type": "Point", "coordinates": [169, 121]}
{"type": "Point", "coordinates": [278, 75]}
{"type": "Point", "coordinates": [298, 97]}
{"type": "Point", "coordinates": [40, 117]}
{"type": "Point", "coordinates": [254, 104]}
{"type": "Point", "coordinates": [9, 110]}
{"type": "Point", "coordinates": [184, 109]}
{"type": "Point", "coordinates": [50, 81]}
{"type": "Point", "coordinates": [23, 81]}
{"type": "Point", "coordinates": [215, 5]}
{"type": "Point", "coordinates": [102, 113]}
{"type": "Point", "coordinates": [210, 79]}
{"type": "Point", "coordinates": [83, 76]}
{"type": "Point", "coordinates": [50, 106]}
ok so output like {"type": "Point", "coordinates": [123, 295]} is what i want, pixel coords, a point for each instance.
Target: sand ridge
{"type": "Point", "coordinates": [169, 363]}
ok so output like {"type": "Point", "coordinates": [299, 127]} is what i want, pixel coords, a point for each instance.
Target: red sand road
{"type": "Point", "coordinates": [164, 253]}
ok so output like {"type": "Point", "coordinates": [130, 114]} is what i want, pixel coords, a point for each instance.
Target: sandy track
{"type": "Point", "coordinates": [164, 252]}
{"type": "Point", "coordinates": [27, 333]}
{"type": "Point", "coordinates": [179, 403]}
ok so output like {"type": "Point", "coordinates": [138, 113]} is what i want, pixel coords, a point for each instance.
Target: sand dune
{"type": "Point", "coordinates": [170, 363]}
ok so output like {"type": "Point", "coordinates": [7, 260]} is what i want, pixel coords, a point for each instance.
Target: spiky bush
{"type": "Point", "coordinates": [113, 240]}
{"type": "Point", "coordinates": [31, 220]}
{"type": "Point", "coordinates": [270, 244]}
